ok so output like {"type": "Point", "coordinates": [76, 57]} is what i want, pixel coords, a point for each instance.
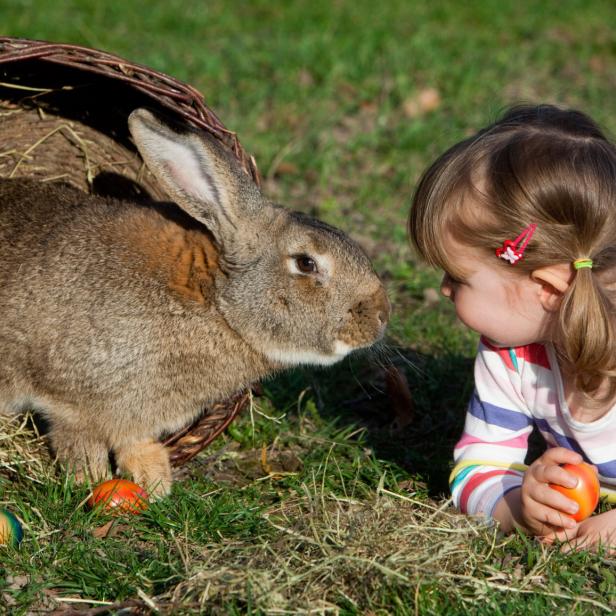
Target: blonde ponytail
{"type": "Point", "coordinates": [585, 335]}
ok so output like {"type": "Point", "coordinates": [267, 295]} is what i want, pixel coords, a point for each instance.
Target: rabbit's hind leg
{"type": "Point", "coordinates": [148, 463]}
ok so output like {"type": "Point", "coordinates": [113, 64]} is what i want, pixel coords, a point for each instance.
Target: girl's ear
{"type": "Point", "coordinates": [554, 280]}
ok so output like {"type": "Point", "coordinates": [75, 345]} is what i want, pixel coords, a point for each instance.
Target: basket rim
{"type": "Point", "coordinates": [177, 96]}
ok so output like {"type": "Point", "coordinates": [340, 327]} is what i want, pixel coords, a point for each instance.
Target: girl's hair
{"type": "Point", "coordinates": [543, 165]}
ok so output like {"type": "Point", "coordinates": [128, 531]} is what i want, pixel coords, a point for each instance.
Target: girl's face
{"type": "Point", "coordinates": [502, 306]}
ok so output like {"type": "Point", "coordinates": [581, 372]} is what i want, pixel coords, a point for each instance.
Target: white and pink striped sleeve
{"type": "Point", "coordinates": [489, 457]}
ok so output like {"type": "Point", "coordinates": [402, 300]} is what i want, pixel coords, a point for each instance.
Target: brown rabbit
{"type": "Point", "coordinates": [119, 321]}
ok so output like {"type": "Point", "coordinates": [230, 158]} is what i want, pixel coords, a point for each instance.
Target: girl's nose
{"type": "Point", "coordinates": [446, 286]}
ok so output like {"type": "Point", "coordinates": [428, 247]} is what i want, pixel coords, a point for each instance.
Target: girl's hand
{"type": "Point", "coordinates": [543, 511]}
{"type": "Point", "coordinates": [598, 531]}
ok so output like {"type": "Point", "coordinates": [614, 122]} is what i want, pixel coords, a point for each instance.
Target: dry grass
{"type": "Point", "coordinates": [23, 451]}
{"type": "Point", "coordinates": [330, 552]}
{"type": "Point", "coordinates": [326, 553]}
{"type": "Point", "coordinates": [327, 550]}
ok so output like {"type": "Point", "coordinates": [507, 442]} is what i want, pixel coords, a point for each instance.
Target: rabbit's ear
{"type": "Point", "coordinates": [197, 173]}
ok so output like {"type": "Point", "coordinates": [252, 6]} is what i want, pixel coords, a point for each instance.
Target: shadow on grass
{"type": "Point", "coordinates": [356, 393]}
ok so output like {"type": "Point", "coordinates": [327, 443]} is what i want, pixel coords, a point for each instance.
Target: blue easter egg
{"type": "Point", "coordinates": [10, 529]}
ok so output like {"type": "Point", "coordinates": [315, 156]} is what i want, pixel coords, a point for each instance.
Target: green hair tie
{"type": "Point", "coordinates": [582, 263]}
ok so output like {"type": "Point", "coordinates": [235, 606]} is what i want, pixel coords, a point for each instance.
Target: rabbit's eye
{"type": "Point", "coordinates": [305, 264]}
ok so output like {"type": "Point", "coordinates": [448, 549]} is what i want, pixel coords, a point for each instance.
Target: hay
{"type": "Point", "coordinates": [48, 147]}
{"type": "Point", "coordinates": [329, 552]}
{"type": "Point", "coordinates": [23, 450]}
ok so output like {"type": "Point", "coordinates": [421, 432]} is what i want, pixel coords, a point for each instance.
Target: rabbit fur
{"type": "Point", "coordinates": [121, 320]}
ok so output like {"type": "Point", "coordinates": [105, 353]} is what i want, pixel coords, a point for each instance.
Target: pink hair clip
{"type": "Point", "coordinates": [513, 250]}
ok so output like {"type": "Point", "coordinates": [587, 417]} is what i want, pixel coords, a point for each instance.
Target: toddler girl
{"type": "Point", "coordinates": [522, 219]}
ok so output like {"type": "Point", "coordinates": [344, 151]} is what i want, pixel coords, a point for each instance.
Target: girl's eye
{"type": "Point", "coordinates": [305, 264]}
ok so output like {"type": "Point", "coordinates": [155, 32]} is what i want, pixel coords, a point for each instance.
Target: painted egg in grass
{"type": "Point", "coordinates": [10, 529]}
{"type": "Point", "coordinates": [120, 496]}
{"type": "Point", "coordinates": [585, 493]}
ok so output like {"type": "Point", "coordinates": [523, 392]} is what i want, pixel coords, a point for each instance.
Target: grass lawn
{"type": "Point", "coordinates": [318, 500]}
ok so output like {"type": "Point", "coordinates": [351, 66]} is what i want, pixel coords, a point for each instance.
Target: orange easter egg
{"type": "Point", "coordinates": [585, 493]}
{"type": "Point", "coordinates": [119, 495]}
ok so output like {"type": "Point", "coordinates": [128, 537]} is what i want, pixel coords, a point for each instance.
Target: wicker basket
{"type": "Point", "coordinates": [63, 116]}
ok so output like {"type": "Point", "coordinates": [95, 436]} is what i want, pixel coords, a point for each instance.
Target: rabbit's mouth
{"type": "Point", "coordinates": [299, 357]}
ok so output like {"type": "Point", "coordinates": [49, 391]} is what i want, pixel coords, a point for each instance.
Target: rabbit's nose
{"type": "Point", "coordinates": [383, 307]}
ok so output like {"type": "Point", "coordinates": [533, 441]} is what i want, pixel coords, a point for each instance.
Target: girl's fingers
{"type": "Point", "coordinates": [559, 519]}
{"type": "Point", "coordinates": [555, 474]}
{"type": "Point", "coordinates": [554, 500]}
{"type": "Point", "coordinates": [561, 455]}
{"type": "Point", "coordinates": [587, 542]}
{"type": "Point", "coordinates": [558, 535]}
{"type": "Point", "coordinates": [555, 534]}
{"type": "Point", "coordinates": [550, 515]}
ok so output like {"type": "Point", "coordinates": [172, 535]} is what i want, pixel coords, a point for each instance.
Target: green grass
{"type": "Point", "coordinates": [354, 519]}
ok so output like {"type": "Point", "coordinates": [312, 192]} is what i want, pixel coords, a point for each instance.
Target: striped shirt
{"type": "Point", "coordinates": [516, 389]}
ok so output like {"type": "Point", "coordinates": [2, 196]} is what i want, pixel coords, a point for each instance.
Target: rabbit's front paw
{"type": "Point", "coordinates": [148, 463]}
{"type": "Point", "coordinates": [85, 458]}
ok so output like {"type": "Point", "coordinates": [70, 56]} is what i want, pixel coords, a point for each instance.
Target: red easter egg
{"type": "Point", "coordinates": [119, 495]}
{"type": "Point", "coordinates": [585, 493]}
